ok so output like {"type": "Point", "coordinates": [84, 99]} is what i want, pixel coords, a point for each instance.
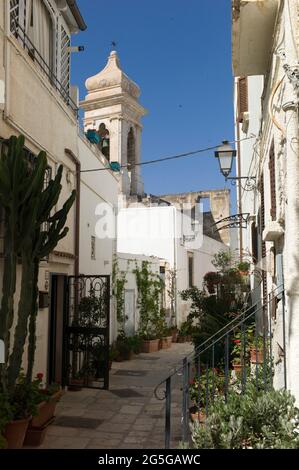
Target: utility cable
{"type": "Point", "coordinates": [163, 159]}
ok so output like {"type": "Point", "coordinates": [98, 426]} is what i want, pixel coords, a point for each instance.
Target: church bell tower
{"type": "Point", "coordinates": [111, 107]}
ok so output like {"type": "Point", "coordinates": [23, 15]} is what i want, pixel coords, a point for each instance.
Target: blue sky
{"type": "Point", "coordinates": [179, 53]}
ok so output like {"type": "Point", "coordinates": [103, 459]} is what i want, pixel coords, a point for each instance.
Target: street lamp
{"type": "Point", "coordinates": [225, 154]}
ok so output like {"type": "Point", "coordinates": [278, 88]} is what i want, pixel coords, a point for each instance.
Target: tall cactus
{"type": "Point", "coordinates": [16, 186]}
{"type": "Point", "coordinates": [36, 245]}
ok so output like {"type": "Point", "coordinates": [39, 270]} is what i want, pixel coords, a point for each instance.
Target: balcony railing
{"type": "Point", "coordinates": [37, 58]}
{"type": "Point", "coordinates": [211, 370]}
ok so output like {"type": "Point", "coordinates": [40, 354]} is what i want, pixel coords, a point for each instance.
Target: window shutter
{"type": "Point", "coordinates": [242, 97]}
{"type": "Point", "coordinates": [272, 181]}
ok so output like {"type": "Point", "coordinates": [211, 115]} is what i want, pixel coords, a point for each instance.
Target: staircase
{"type": "Point", "coordinates": [239, 353]}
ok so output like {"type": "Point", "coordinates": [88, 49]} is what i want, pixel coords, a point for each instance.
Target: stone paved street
{"type": "Point", "coordinates": [103, 420]}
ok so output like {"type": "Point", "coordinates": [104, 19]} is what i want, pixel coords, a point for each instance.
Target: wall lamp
{"type": "Point", "coordinates": [225, 154]}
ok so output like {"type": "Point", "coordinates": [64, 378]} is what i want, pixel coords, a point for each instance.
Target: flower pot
{"type": "Point", "coordinates": [197, 415]}
{"type": "Point", "coordinates": [75, 385]}
{"type": "Point", "coordinates": [149, 346]}
{"type": "Point", "coordinates": [35, 436]}
{"type": "Point", "coordinates": [238, 368]}
{"type": "Point", "coordinates": [15, 432]}
{"type": "Point", "coordinates": [174, 336]}
{"type": "Point", "coordinates": [256, 356]}
{"type": "Point", "coordinates": [169, 341]}
{"type": "Point", "coordinates": [45, 410]}
{"type": "Point", "coordinates": [163, 343]}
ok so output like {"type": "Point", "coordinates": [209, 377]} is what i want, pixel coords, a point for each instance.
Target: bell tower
{"type": "Point", "coordinates": [111, 107]}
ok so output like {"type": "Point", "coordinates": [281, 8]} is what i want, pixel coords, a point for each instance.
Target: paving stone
{"type": "Point", "coordinates": [130, 415]}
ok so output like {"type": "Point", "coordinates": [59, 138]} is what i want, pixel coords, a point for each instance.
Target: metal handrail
{"type": "Point", "coordinates": [29, 46]}
{"type": "Point", "coordinates": [208, 347]}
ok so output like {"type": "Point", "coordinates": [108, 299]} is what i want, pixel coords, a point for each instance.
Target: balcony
{"type": "Point", "coordinates": [62, 89]}
{"type": "Point", "coordinates": [252, 32]}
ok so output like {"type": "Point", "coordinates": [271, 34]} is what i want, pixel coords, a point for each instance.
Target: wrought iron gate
{"type": "Point", "coordinates": [87, 331]}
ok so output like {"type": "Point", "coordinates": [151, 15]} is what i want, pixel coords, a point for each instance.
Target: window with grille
{"type": "Point", "coordinates": [65, 62]}
{"type": "Point", "coordinates": [242, 97]}
{"type": "Point", "coordinates": [272, 181]}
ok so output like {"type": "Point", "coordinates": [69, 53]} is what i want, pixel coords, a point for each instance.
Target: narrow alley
{"type": "Point", "coordinates": [126, 416]}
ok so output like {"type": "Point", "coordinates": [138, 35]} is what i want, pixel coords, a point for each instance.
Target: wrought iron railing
{"type": "Point", "coordinates": [46, 68]}
{"type": "Point", "coordinates": [239, 352]}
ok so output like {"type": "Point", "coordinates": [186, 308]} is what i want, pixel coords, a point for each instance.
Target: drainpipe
{"type": "Point", "coordinates": [239, 174]}
{"type": "Point", "coordinates": [77, 216]}
{"type": "Point", "coordinates": [291, 250]}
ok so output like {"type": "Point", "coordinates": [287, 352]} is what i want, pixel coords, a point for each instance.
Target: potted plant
{"type": "Point", "coordinates": [124, 347]}
{"type": "Point", "coordinates": [174, 333]}
{"type": "Point", "coordinates": [185, 332]}
{"type": "Point", "coordinates": [208, 388]}
{"type": "Point", "coordinates": [244, 267]}
{"type": "Point", "coordinates": [23, 405]}
{"type": "Point", "coordinates": [48, 399]}
{"type": "Point", "coordinates": [5, 417]}
{"type": "Point", "coordinates": [135, 343]}
{"type": "Point", "coordinates": [238, 358]}
{"type": "Point", "coordinates": [211, 280]}
{"type": "Point", "coordinates": [76, 381]}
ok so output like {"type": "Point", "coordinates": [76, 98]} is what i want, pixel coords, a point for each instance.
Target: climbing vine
{"type": "Point", "coordinates": [152, 322]}
{"type": "Point", "coordinates": [118, 291]}
{"type": "Point", "coordinates": [171, 291]}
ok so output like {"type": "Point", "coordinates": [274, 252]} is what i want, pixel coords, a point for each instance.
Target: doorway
{"type": "Point", "coordinates": [129, 312]}
{"type": "Point", "coordinates": [56, 373]}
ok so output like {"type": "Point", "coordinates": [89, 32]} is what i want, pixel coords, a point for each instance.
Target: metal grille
{"type": "Point", "coordinates": [65, 60]}
{"type": "Point", "coordinates": [14, 16]}
{"type": "Point", "coordinates": [87, 331]}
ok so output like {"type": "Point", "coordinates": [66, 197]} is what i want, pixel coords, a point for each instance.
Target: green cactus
{"type": "Point", "coordinates": [37, 244]}
{"type": "Point", "coordinates": [16, 186]}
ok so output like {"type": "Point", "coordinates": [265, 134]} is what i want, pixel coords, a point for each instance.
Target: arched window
{"type": "Point", "coordinates": [131, 149]}
{"type": "Point", "coordinates": [104, 144]}
{"type": "Point", "coordinates": [131, 157]}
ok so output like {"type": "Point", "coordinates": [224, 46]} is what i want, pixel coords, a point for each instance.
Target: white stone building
{"type": "Point", "coordinates": [265, 64]}
{"type": "Point", "coordinates": [112, 109]}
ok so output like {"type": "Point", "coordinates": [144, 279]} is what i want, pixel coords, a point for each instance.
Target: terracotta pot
{"type": "Point", "coordinates": [169, 341]}
{"type": "Point", "coordinates": [256, 356]}
{"type": "Point", "coordinates": [163, 343]}
{"type": "Point", "coordinates": [238, 368]}
{"type": "Point", "coordinates": [45, 410]}
{"type": "Point", "coordinates": [196, 415]}
{"type": "Point", "coordinates": [151, 345]}
{"type": "Point", "coordinates": [174, 336]}
{"type": "Point", "coordinates": [15, 432]}
{"type": "Point", "coordinates": [75, 385]}
{"type": "Point", "coordinates": [35, 436]}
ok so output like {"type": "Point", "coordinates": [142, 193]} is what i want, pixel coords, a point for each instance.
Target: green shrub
{"type": "Point", "coordinates": [257, 419]}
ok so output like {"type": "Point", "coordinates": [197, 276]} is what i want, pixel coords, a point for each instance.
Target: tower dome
{"type": "Point", "coordinates": [112, 77]}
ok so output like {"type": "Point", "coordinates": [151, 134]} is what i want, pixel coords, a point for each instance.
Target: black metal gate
{"type": "Point", "coordinates": [87, 331]}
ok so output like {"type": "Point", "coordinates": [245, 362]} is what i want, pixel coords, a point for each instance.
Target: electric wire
{"type": "Point", "coordinates": [163, 159]}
